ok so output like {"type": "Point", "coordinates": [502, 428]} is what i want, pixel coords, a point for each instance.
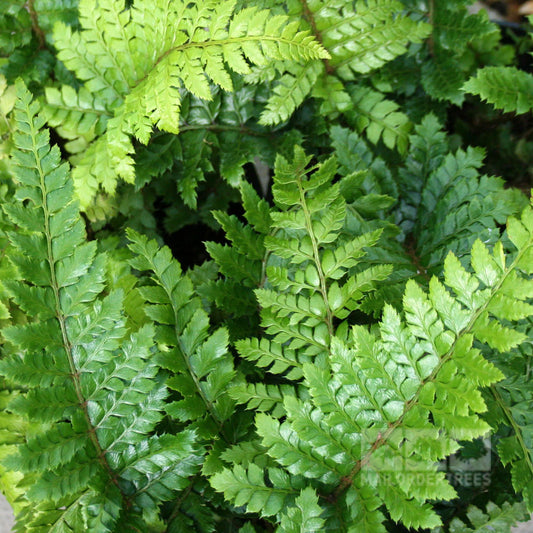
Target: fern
{"type": "Point", "coordinates": [95, 385]}
{"type": "Point", "coordinates": [497, 519]}
{"type": "Point", "coordinates": [137, 69]}
{"type": "Point", "coordinates": [353, 340]}
{"type": "Point", "coordinates": [507, 88]}
{"type": "Point", "coordinates": [217, 137]}
{"type": "Point", "coordinates": [360, 39]}
{"type": "Point", "coordinates": [365, 420]}
{"type": "Point", "coordinates": [380, 118]}
{"type": "Point", "coordinates": [203, 368]}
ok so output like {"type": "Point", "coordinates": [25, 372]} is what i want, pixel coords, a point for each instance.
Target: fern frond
{"type": "Point", "coordinates": [100, 384]}
{"type": "Point", "coordinates": [136, 67]}
{"type": "Point", "coordinates": [304, 516]}
{"type": "Point", "coordinates": [448, 195]}
{"type": "Point", "coordinates": [291, 90]}
{"type": "Point", "coordinates": [454, 27]}
{"type": "Point", "coordinates": [359, 40]}
{"type": "Point", "coordinates": [202, 366]}
{"type": "Point", "coordinates": [442, 79]}
{"type": "Point", "coordinates": [246, 486]}
{"type": "Point", "coordinates": [75, 114]}
{"type": "Point", "coordinates": [385, 405]}
{"type": "Point", "coordinates": [506, 88]}
{"type": "Point", "coordinates": [496, 518]}
{"type": "Point", "coordinates": [379, 118]}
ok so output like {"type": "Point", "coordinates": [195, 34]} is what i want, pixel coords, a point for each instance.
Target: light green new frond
{"type": "Point", "coordinates": [75, 114]}
{"type": "Point", "coordinates": [138, 68]}
{"type": "Point", "coordinates": [493, 311]}
{"type": "Point", "coordinates": [506, 88]}
{"type": "Point", "coordinates": [73, 52]}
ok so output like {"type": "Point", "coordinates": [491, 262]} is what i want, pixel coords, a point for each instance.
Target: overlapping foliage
{"type": "Point", "coordinates": [351, 349]}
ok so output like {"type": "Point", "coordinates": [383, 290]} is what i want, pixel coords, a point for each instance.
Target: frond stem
{"type": "Point", "coordinates": [316, 256]}
{"type": "Point", "coordinates": [39, 33]}
{"type": "Point", "coordinates": [512, 422]}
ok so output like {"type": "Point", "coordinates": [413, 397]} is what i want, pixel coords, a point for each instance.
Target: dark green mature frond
{"type": "Point", "coordinates": [242, 263]}
{"type": "Point", "coordinates": [95, 385]}
{"type": "Point", "coordinates": [379, 118]}
{"type": "Point", "coordinates": [25, 35]}
{"type": "Point", "coordinates": [452, 203]}
{"type": "Point", "coordinates": [217, 138]}
{"type": "Point", "coordinates": [453, 29]}
{"type": "Point", "coordinates": [199, 360]}
{"type": "Point", "coordinates": [506, 88]}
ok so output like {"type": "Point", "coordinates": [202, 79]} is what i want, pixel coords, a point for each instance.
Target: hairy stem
{"type": "Point", "coordinates": [308, 15]}
{"type": "Point", "coordinates": [39, 33]}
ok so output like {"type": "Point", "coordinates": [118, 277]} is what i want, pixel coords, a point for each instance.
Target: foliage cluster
{"type": "Point", "coordinates": [351, 348]}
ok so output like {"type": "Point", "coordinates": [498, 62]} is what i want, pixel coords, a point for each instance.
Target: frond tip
{"type": "Point", "coordinates": [506, 88]}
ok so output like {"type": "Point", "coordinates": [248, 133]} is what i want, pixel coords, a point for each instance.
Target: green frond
{"type": "Point", "coordinates": [379, 118]}
{"type": "Point", "coordinates": [98, 384]}
{"type": "Point", "coordinates": [292, 89]}
{"type": "Point", "coordinates": [372, 397]}
{"type": "Point", "coordinates": [246, 486]}
{"type": "Point", "coordinates": [135, 66]}
{"type": "Point", "coordinates": [262, 398]}
{"type": "Point", "coordinates": [74, 115]}
{"type": "Point", "coordinates": [496, 518]}
{"type": "Point", "coordinates": [506, 88]}
{"type": "Point", "coordinates": [202, 367]}
{"type": "Point", "coordinates": [454, 28]}
{"type": "Point", "coordinates": [304, 516]}
{"type": "Point", "coordinates": [448, 194]}
{"type": "Point", "coordinates": [272, 357]}
{"type": "Point", "coordinates": [357, 39]}
{"type": "Point", "coordinates": [157, 469]}
{"type": "Point", "coordinates": [442, 79]}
